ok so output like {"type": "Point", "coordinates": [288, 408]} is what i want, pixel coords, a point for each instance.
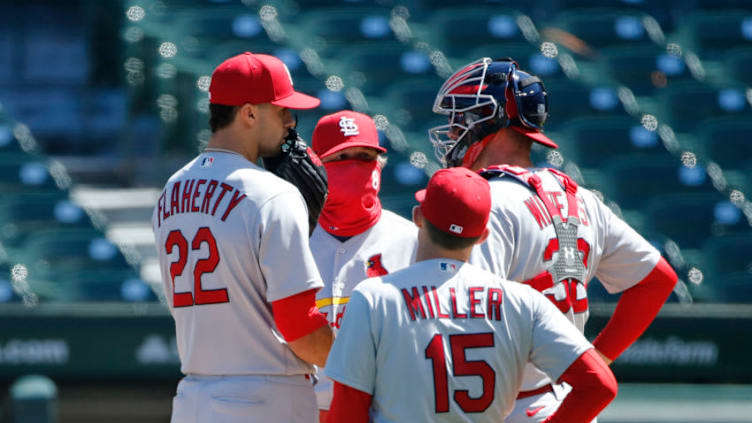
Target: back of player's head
{"type": "Point", "coordinates": [456, 204]}
{"type": "Point", "coordinates": [480, 99]}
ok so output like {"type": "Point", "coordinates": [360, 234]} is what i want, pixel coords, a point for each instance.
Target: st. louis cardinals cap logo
{"type": "Point", "coordinates": [348, 126]}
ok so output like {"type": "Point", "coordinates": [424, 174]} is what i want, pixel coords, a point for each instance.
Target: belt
{"type": "Point", "coordinates": [542, 390]}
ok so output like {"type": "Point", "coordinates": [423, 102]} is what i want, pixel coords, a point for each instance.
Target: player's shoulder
{"type": "Point", "coordinates": [375, 288]}
{"type": "Point", "coordinates": [396, 224]}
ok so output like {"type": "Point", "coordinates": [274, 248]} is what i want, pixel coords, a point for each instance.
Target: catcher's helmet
{"type": "Point", "coordinates": [483, 97]}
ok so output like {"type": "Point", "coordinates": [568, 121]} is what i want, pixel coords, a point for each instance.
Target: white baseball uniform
{"type": "Point", "coordinates": [387, 246]}
{"type": "Point", "coordinates": [232, 238]}
{"type": "Point", "coordinates": [558, 249]}
{"type": "Point", "coordinates": [445, 341]}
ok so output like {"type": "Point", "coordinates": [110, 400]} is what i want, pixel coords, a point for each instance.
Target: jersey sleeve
{"type": "Point", "coordinates": [556, 341]}
{"type": "Point", "coordinates": [352, 360]}
{"type": "Point", "coordinates": [627, 256]}
{"type": "Point", "coordinates": [285, 258]}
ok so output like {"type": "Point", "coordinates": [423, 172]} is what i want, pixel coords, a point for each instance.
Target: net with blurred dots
{"type": "Point", "coordinates": [651, 103]}
{"type": "Point", "coordinates": [651, 110]}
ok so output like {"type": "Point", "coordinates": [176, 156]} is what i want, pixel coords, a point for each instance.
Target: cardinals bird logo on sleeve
{"type": "Point", "coordinates": [374, 267]}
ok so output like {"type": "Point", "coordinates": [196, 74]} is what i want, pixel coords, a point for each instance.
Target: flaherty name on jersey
{"type": "Point", "coordinates": [476, 302]}
{"type": "Point", "coordinates": [207, 196]}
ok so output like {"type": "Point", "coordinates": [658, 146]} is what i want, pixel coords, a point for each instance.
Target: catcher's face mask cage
{"type": "Point", "coordinates": [475, 100]}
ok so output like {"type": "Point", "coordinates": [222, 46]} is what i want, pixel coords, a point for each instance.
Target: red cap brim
{"type": "Point", "coordinates": [297, 100]}
{"type": "Point", "coordinates": [420, 196]}
{"type": "Point", "coordinates": [353, 143]}
{"type": "Point", "coordinates": [536, 135]}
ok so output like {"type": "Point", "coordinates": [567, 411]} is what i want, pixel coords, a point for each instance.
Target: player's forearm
{"type": "Point", "coordinates": [305, 329]}
{"type": "Point", "coordinates": [314, 347]}
{"type": "Point", "coordinates": [635, 310]}
{"type": "Point", "coordinates": [593, 388]}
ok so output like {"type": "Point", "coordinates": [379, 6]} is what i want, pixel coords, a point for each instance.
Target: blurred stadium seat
{"type": "Point", "coordinates": [375, 68]}
{"type": "Point", "coordinates": [727, 141]}
{"type": "Point", "coordinates": [636, 179]}
{"type": "Point", "coordinates": [594, 141]}
{"type": "Point", "coordinates": [730, 253]}
{"type": "Point", "coordinates": [711, 34]}
{"type": "Point", "coordinates": [92, 285]}
{"type": "Point", "coordinates": [569, 100]}
{"type": "Point", "coordinates": [331, 29]}
{"type": "Point", "coordinates": [411, 103]}
{"type": "Point", "coordinates": [690, 219]}
{"type": "Point", "coordinates": [600, 28]}
{"type": "Point", "coordinates": [68, 250]}
{"type": "Point", "coordinates": [26, 213]}
{"type": "Point", "coordinates": [689, 103]}
{"type": "Point", "coordinates": [456, 29]}
{"type": "Point", "coordinates": [24, 173]}
{"type": "Point", "coordinates": [738, 63]}
{"type": "Point", "coordinates": [645, 69]}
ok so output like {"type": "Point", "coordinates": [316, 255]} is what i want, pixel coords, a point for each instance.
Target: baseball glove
{"type": "Point", "coordinates": [299, 165]}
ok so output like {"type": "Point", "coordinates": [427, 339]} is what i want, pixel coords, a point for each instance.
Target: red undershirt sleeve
{"type": "Point", "coordinates": [635, 310]}
{"type": "Point", "coordinates": [593, 388]}
{"type": "Point", "coordinates": [297, 315]}
{"type": "Point", "coordinates": [349, 405]}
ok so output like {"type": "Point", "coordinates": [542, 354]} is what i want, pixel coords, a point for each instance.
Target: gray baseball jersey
{"type": "Point", "coordinates": [527, 241]}
{"type": "Point", "coordinates": [445, 341]}
{"type": "Point", "coordinates": [387, 246]}
{"type": "Point", "coordinates": [232, 238]}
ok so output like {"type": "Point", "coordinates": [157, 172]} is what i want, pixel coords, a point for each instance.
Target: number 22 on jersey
{"type": "Point", "coordinates": [199, 296]}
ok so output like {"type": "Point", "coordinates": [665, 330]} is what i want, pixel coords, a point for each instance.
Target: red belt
{"type": "Point", "coordinates": [542, 390]}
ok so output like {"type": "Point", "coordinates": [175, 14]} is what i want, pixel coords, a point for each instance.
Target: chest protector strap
{"type": "Point", "coordinates": [568, 264]}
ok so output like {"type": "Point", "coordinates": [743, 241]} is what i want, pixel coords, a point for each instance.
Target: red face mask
{"type": "Point", "coordinates": [353, 203]}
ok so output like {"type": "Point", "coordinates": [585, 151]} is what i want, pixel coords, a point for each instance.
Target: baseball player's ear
{"type": "Point", "coordinates": [483, 236]}
{"type": "Point", "coordinates": [247, 113]}
{"type": "Point", "coordinates": [418, 216]}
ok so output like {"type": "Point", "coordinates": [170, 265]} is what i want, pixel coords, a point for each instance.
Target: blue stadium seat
{"type": "Point", "coordinates": [459, 29]}
{"type": "Point", "coordinates": [26, 213]}
{"type": "Point", "coordinates": [25, 173]}
{"type": "Point", "coordinates": [69, 250]}
{"type": "Point", "coordinates": [738, 62]}
{"type": "Point", "coordinates": [710, 34]}
{"type": "Point", "coordinates": [198, 32]}
{"type": "Point", "coordinates": [727, 142]}
{"type": "Point", "coordinates": [569, 100]}
{"type": "Point", "coordinates": [328, 30]}
{"type": "Point", "coordinates": [636, 179]}
{"type": "Point", "coordinates": [375, 68]}
{"type": "Point", "coordinates": [730, 253]}
{"type": "Point", "coordinates": [685, 105]}
{"type": "Point", "coordinates": [411, 103]}
{"type": "Point", "coordinates": [645, 69]}
{"type": "Point", "coordinates": [608, 27]}
{"type": "Point", "coordinates": [690, 219]}
{"type": "Point", "coordinates": [593, 141]}
{"type": "Point", "coordinates": [112, 285]}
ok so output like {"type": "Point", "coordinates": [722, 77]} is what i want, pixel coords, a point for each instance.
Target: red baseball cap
{"type": "Point", "coordinates": [344, 129]}
{"type": "Point", "coordinates": [256, 79]}
{"type": "Point", "coordinates": [457, 201]}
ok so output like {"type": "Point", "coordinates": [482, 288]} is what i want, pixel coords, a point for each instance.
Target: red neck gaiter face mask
{"type": "Point", "coordinates": [353, 203]}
